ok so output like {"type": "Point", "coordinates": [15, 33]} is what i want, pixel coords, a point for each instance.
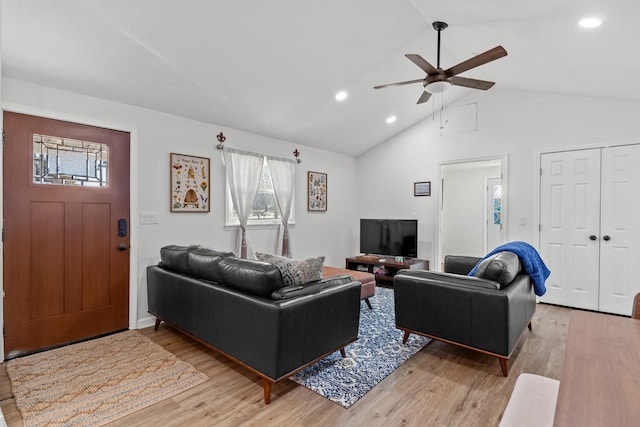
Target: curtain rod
{"type": "Point", "coordinates": [221, 138]}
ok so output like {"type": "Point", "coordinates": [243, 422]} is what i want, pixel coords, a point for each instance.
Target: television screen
{"type": "Point", "coordinates": [394, 237]}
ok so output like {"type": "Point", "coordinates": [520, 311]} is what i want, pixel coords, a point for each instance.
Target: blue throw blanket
{"type": "Point", "coordinates": [530, 260]}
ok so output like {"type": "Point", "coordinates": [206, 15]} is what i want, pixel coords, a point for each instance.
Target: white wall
{"type": "Point", "coordinates": [463, 208]}
{"type": "Point", "coordinates": [154, 135]}
{"type": "Point", "coordinates": [516, 123]}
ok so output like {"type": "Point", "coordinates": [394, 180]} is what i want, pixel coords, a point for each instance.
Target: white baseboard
{"type": "Point", "coordinates": [146, 322]}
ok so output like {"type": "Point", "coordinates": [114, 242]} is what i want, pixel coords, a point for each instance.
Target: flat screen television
{"type": "Point", "coordinates": [393, 237]}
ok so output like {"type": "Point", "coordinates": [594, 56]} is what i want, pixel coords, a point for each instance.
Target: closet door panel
{"type": "Point", "coordinates": [569, 223]}
{"type": "Point", "coordinates": [620, 235]}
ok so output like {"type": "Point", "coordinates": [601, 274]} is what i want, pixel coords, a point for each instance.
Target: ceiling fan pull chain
{"type": "Point", "coordinates": [434, 108]}
{"type": "Point", "coordinates": [441, 110]}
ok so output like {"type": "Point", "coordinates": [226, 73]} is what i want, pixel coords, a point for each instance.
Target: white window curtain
{"type": "Point", "coordinates": [243, 171]}
{"type": "Point", "coordinates": [283, 174]}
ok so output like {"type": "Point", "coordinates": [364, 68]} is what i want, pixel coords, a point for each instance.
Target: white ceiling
{"type": "Point", "coordinates": [274, 67]}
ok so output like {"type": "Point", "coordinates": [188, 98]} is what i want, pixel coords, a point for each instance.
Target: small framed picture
{"type": "Point", "coordinates": [422, 188]}
{"type": "Point", "coordinates": [189, 183]}
{"type": "Point", "coordinates": [317, 191]}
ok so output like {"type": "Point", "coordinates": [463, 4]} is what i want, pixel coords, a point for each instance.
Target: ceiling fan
{"type": "Point", "coordinates": [438, 80]}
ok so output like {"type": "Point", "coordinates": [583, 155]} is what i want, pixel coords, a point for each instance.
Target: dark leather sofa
{"type": "Point", "coordinates": [487, 313]}
{"type": "Point", "coordinates": [240, 308]}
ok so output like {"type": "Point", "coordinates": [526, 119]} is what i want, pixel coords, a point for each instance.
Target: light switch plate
{"type": "Point", "coordinates": [148, 217]}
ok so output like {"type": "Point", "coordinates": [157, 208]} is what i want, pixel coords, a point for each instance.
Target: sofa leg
{"type": "Point", "coordinates": [155, 328]}
{"type": "Point", "coordinates": [503, 365]}
{"type": "Point", "coordinates": [266, 384]}
{"type": "Point", "coordinates": [343, 352]}
{"type": "Point", "coordinates": [368, 303]}
{"type": "Point", "coordinates": [529, 326]}
{"type": "Point", "coordinates": [405, 337]}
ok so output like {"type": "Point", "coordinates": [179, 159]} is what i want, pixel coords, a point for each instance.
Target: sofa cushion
{"type": "Point", "coordinates": [295, 271]}
{"type": "Point", "coordinates": [502, 268]}
{"type": "Point", "coordinates": [250, 276]}
{"type": "Point", "coordinates": [176, 258]}
{"type": "Point", "coordinates": [203, 263]}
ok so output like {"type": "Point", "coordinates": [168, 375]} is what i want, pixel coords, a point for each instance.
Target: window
{"type": "Point", "coordinates": [265, 209]}
{"type": "Point", "coordinates": [64, 161]}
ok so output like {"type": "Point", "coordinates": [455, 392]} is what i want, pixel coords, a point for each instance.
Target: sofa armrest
{"type": "Point", "coordinates": [469, 282]}
{"type": "Point", "coordinates": [310, 288]}
{"type": "Point", "coordinates": [311, 326]}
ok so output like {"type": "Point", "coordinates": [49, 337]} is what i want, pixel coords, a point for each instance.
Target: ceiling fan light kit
{"type": "Point", "coordinates": [438, 80]}
{"type": "Point", "coordinates": [437, 86]}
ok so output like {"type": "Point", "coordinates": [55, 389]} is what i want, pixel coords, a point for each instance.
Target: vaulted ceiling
{"type": "Point", "coordinates": [274, 67]}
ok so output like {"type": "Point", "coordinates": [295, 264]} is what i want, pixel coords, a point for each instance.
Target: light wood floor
{"type": "Point", "coordinates": [442, 385]}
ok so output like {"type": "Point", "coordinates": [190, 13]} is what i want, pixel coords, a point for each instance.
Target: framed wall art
{"type": "Point", "coordinates": [316, 191]}
{"type": "Point", "coordinates": [190, 182]}
{"type": "Point", "coordinates": [422, 188]}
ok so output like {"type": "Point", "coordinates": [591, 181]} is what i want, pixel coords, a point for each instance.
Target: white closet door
{"type": "Point", "coordinates": [570, 226]}
{"type": "Point", "coordinates": [619, 248]}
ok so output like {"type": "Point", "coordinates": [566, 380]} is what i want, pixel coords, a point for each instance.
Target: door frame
{"type": "Point", "coordinates": [503, 158]}
{"type": "Point", "coordinates": [133, 196]}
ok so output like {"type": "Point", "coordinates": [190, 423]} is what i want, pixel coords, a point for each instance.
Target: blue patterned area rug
{"type": "Point", "coordinates": [377, 352]}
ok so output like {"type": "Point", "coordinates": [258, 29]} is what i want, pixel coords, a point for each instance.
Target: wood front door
{"type": "Point", "coordinates": [66, 232]}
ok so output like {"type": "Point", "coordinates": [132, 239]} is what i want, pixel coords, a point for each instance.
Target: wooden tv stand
{"type": "Point", "coordinates": [384, 271]}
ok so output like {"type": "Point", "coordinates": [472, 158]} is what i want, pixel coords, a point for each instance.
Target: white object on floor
{"type": "Point", "coordinates": [532, 402]}
{"type": "Point", "coordinates": [3, 422]}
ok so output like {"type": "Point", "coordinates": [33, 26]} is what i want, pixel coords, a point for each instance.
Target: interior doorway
{"type": "Point", "coordinates": [471, 215]}
{"type": "Point", "coordinates": [66, 232]}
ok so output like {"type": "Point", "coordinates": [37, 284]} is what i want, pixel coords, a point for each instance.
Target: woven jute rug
{"type": "Point", "coordinates": [98, 381]}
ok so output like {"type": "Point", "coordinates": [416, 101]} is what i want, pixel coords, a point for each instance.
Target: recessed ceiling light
{"type": "Point", "coordinates": [341, 96]}
{"type": "Point", "coordinates": [590, 22]}
{"type": "Point", "coordinates": [391, 119]}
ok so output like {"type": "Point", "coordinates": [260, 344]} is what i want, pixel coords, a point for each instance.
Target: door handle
{"type": "Point", "coordinates": [593, 237]}
{"type": "Point", "coordinates": [123, 246]}
{"type": "Point", "coordinates": [606, 238]}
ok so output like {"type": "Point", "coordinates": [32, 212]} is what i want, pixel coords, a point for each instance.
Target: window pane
{"type": "Point", "coordinates": [63, 161]}
{"type": "Point", "coordinates": [264, 205]}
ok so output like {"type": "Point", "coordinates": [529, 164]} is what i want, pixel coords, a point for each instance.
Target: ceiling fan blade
{"type": "Point", "coordinates": [488, 56]}
{"type": "Point", "coordinates": [424, 97]}
{"type": "Point", "coordinates": [422, 63]}
{"type": "Point", "coordinates": [472, 83]}
{"type": "Point", "coordinates": [408, 82]}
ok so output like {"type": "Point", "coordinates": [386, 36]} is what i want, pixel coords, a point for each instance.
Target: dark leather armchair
{"type": "Point", "coordinates": [486, 313]}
